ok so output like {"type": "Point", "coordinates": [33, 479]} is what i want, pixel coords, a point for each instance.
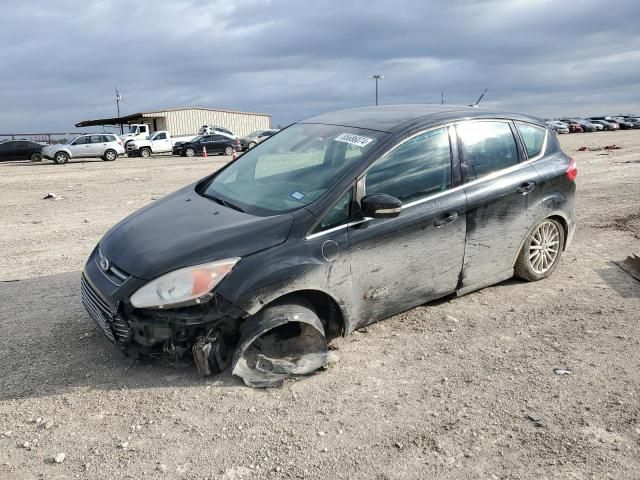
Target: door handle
{"type": "Point", "coordinates": [526, 187]}
{"type": "Point", "coordinates": [445, 219]}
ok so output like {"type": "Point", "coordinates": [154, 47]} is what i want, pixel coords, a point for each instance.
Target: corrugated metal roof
{"type": "Point", "coordinates": [133, 116]}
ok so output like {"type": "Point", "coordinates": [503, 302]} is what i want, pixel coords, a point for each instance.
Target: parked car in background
{"type": "Point", "coordinates": [299, 241]}
{"type": "Point", "coordinates": [211, 129]}
{"type": "Point", "coordinates": [558, 126]}
{"type": "Point", "coordinates": [20, 150]}
{"type": "Point", "coordinates": [158, 142]}
{"type": "Point", "coordinates": [606, 124]}
{"type": "Point", "coordinates": [584, 124]}
{"type": "Point", "coordinates": [107, 146]}
{"type": "Point", "coordinates": [574, 127]}
{"type": "Point", "coordinates": [258, 136]}
{"type": "Point", "coordinates": [219, 144]}
{"type": "Point", "coordinates": [634, 121]}
{"type": "Point", "coordinates": [624, 123]}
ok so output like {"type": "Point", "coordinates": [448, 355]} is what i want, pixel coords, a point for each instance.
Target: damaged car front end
{"type": "Point", "coordinates": [330, 225]}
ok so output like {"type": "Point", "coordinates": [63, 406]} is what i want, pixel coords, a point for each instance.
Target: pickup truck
{"type": "Point", "coordinates": [158, 142]}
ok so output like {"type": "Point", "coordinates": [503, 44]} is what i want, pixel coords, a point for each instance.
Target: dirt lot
{"type": "Point", "coordinates": [448, 390]}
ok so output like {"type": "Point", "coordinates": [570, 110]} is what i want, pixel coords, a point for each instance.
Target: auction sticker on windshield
{"type": "Point", "coordinates": [357, 140]}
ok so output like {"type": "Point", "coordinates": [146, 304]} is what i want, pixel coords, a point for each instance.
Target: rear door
{"type": "Point", "coordinates": [503, 195]}
{"type": "Point", "coordinates": [21, 150]}
{"type": "Point", "coordinates": [98, 145]}
{"type": "Point", "coordinates": [398, 263]}
{"type": "Point", "coordinates": [219, 143]}
{"type": "Point", "coordinates": [6, 151]}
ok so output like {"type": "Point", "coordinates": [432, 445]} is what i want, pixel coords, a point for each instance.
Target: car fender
{"type": "Point", "coordinates": [262, 278]}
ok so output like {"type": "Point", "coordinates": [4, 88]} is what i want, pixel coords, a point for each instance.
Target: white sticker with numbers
{"type": "Point", "coordinates": [357, 140]}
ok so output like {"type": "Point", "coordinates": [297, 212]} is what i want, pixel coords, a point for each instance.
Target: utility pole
{"type": "Point", "coordinates": [118, 98]}
{"type": "Point", "coordinates": [377, 77]}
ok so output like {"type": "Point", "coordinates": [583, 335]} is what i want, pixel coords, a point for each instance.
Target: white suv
{"type": "Point", "coordinates": [104, 145]}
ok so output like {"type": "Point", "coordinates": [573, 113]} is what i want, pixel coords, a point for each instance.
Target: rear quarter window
{"type": "Point", "coordinates": [532, 137]}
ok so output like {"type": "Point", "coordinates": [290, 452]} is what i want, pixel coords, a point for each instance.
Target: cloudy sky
{"type": "Point", "coordinates": [61, 59]}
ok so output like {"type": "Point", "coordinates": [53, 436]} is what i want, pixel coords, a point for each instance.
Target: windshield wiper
{"type": "Point", "coordinates": [225, 203]}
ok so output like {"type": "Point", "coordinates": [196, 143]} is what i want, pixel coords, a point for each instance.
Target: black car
{"type": "Point", "coordinates": [218, 144]}
{"type": "Point", "coordinates": [338, 221]}
{"type": "Point", "coordinates": [20, 150]}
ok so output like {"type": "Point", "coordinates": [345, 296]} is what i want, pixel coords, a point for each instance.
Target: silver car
{"type": "Point", "coordinates": [258, 136]}
{"type": "Point", "coordinates": [104, 145]}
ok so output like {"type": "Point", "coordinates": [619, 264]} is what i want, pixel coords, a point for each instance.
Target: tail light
{"type": "Point", "coordinates": [572, 170]}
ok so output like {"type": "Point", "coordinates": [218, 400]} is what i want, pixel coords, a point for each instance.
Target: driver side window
{"type": "Point", "coordinates": [419, 167]}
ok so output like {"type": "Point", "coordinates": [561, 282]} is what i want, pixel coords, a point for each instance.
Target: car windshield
{"type": "Point", "coordinates": [291, 170]}
{"type": "Point", "coordinates": [255, 134]}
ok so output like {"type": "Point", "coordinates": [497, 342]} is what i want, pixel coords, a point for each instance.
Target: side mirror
{"type": "Point", "coordinates": [380, 205]}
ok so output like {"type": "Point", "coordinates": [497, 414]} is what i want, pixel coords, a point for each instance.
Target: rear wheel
{"type": "Point", "coordinates": [541, 251]}
{"type": "Point", "coordinates": [252, 144]}
{"type": "Point", "coordinates": [60, 158]}
{"type": "Point", "coordinates": [110, 155]}
{"type": "Point", "coordinates": [36, 157]}
{"type": "Point", "coordinates": [229, 151]}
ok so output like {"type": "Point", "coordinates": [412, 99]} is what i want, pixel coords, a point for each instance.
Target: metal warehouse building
{"type": "Point", "coordinates": [188, 120]}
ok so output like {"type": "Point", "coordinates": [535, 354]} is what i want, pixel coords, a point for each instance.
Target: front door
{"type": "Point", "coordinates": [81, 147]}
{"type": "Point", "coordinates": [402, 262]}
{"type": "Point", "coordinates": [503, 196]}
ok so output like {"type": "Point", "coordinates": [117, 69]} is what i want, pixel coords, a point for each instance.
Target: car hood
{"type": "Point", "coordinates": [186, 229]}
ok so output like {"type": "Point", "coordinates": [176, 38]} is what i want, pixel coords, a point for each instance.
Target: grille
{"type": "Point", "coordinates": [115, 328]}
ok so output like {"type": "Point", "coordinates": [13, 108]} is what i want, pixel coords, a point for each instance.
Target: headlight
{"type": "Point", "coordinates": [184, 285]}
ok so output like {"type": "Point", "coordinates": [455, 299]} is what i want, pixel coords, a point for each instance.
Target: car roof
{"type": "Point", "coordinates": [391, 118]}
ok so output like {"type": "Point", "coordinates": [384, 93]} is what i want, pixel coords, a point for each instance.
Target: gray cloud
{"type": "Point", "coordinates": [61, 60]}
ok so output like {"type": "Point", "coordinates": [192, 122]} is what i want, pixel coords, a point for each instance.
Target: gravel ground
{"type": "Point", "coordinates": [455, 389]}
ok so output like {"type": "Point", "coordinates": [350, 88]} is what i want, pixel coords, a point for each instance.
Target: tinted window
{"type": "Point", "coordinates": [161, 136]}
{"type": "Point", "coordinates": [219, 138]}
{"type": "Point", "coordinates": [419, 167]}
{"type": "Point", "coordinates": [533, 138]}
{"type": "Point", "coordinates": [82, 140]}
{"type": "Point", "coordinates": [110, 138]}
{"type": "Point", "coordinates": [22, 144]}
{"type": "Point", "coordinates": [339, 214]}
{"type": "Point", "coordinates": [97, 139]}
{"type": "Point", "coordinates": [487, 147]}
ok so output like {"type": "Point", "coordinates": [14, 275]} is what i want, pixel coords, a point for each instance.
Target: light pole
{"type": "Point", "coordinates": [377, 77]}
{"type": "Point", "coordinates": [118, 98]}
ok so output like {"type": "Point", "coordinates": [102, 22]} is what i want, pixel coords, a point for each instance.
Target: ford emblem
{"type": "Point", "coordinates": [104, 264]}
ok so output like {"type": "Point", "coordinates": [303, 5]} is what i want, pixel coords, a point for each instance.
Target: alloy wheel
{"type": "Point", "coordinates": [544, 248]}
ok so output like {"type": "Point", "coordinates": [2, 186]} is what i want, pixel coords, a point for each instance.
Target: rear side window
{"type": "Point", "coordinates": [419, 167]}
{"type": "Point", "coordinates": [533, 138]}
{"type": "Point", "coordinates": [487, 147]}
